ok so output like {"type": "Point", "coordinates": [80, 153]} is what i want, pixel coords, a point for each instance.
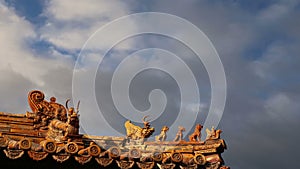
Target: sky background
{"type": "Point", "coordinates": [258, 43]}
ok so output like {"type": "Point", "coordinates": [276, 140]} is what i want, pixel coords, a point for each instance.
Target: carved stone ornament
{"type": "Point", "coordinates": [37, 156]}
{"type": "Point", "coordinates": [13, 154]}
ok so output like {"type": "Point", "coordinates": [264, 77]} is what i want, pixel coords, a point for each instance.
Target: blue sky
{"type": "Point", "coordinates": [257, 41]}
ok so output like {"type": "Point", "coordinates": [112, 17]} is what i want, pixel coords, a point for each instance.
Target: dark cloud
{"type": "Point", "coordinates": [258, 43]}
{"type": "Point", "coordinates": [260, 55]}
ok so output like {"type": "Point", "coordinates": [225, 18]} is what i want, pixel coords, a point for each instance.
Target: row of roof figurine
{"type": "Point", "coordinates": [136, 132]}
{"type": "Point", "coordinates": [195, 136]}
{"type": "Point", "coordinates": [52, 113]}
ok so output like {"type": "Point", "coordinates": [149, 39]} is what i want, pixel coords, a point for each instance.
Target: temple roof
{"type": "Point", "coordinates": [48, 137]}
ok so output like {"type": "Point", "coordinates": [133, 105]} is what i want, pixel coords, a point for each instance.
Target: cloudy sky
{"type": "Point", "coordinates": [258, 43]}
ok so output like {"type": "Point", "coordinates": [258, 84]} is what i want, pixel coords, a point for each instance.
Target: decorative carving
{"type": "Point", "coordinates": [145, 165]}
{"type": "Point", "coordinates": [136, 132]}
{"type": "Point", "coordinates": [199, 159]}
{"type": "Point", "coordinates": [114, 152]}
{"type": "Point", "coordinates": [61, 157]}
{"type": "Point", "coordinates": [166, 166]}
{"type": "Point", "coordinates": [163, 134]}
{"type": "Point", "coordinates": [125, 164]}
{"type": "Point", "coordinates": [146, 158]}
{"type": "Point", "coordinates": [196, 136]}
{"type": "Point", "coordinates": [59, 110]}
{"type": "Point", "coordinates": [83, 159]}
{"type": "Point", "coordinates": [49, 146]}
{"type": "Point", "coordinates": [176, 157]}
{"type": "Point", "coordinates": [59, 130]}
{"type": "Point", "coordinates": [179, 135]}
{"type": "Point", "coordinates": [135, 153]}
{"type": "Point", "coordinates": [37, 156]}
{"type": "Point", "coordinates": [43, 111]}
{"type": "Point", "coordinates": [71, 148]}
{"type": "Point", "coordinates": [13, 154]}
{"type": "Point", "coordinates": [157, 156]}
{"type": "Point", "coordinates": [213, 134]}
{"type": "Point", "coordinates": [25, 144]}
{"type": "Point", "coordinates": [104, 161]}
{"type": "Point", "coordinates": [94, 150]}
{"type": "Point", "coordinates": [36, 101]}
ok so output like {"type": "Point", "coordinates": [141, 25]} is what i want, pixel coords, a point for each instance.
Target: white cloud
{"type": "Point", "coordinates": [71, 23]}
{"type": "Point", "coordinates": [83, 10]}
{"type": "Point", "coordinates": [277, 11]}
{"type": "Point", "coordinates": [21, 69]}
{"type": "Point", "coordinates": [15, 33]}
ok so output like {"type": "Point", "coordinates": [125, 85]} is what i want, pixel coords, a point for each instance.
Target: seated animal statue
{"type": "Point", "coordinates": [58, 110]}
{"type": "Point", "coordinates": [179, 135]}
{"type": "Point", "coordinates": [213, 134]}
{"type": "Point", "coordinates": [136, 132]}
{"type": "Point", "coordinates": [196, 135]}
{"type": "Point", "coordinates": [59, 130]}
{"type": "Point", "coordinates": [163, 134]}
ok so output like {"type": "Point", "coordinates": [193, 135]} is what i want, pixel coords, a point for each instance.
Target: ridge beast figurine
{"type": "Point", "coordinates": [136, 132]}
